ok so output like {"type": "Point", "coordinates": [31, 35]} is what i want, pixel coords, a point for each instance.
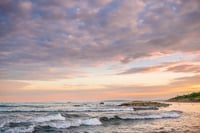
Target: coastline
{"type": "Point", "coordinates": [192, 97]}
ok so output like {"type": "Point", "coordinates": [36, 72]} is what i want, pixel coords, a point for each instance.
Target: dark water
{"type": "Point", "coordinates": [91, 117]}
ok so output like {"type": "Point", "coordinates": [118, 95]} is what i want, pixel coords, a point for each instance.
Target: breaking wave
{"type": "Point", "coordinates": [22, 129]}
{"type": "Point", "coordinates": [70, 110]}
{"type": "Point", "coordinates": [49, 118]}
{"type": "Point", "coordinates": [73, 123]}
{"type": "Point", "coordinates": [170, 114]}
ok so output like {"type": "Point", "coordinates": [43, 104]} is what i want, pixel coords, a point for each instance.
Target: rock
{"type": "Point", "coordinates": [151, 105]}
{"type": "Point", "coordinates": [76, 105]}
{"type": "Point", "coordinates": [101, 103]}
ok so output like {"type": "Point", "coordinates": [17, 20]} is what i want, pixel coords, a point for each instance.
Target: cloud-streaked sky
{"type": "Point", "coordinates": [52, 50]}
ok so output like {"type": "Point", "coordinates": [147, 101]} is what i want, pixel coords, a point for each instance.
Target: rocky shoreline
{"type": "Point", "coordinates": [184, 100]}
{"type": "Point", "coordinates": [144, 105]}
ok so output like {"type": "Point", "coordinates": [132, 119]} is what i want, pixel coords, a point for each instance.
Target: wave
{"type": "Point", "coordinates": [39, 119]}
{"type": "Point", "coordinates": [25, 111]}
{"type": "Point", "coordinates": [91, 121]}
{"type": "Point", "coordinates": [152, 116]}
{"type": "Point", "coordinates": [73, 123]}
{"type": "Point", "coordinates": [63, 121]}
{"type": "Point", "coordinates": [3, 123]}
{"type": "Point", "coordinates": [75, 110]}
{"type": "Point", "coordinates": [2, 105]}
{"type": "Point", "coordinates": [33, 106]}
{"type": "Point", "coordinates": [170, 114]}
{"type": "Point", "coordinates": [49, 118]}
{"type": "Point", "coordinates": [28, 129]}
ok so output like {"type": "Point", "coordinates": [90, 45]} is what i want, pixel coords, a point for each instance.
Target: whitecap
{"type": "Point", "coordinates": [2, 124]}
{"type": "Point", "coordinates": [170, 114]}
{"type": "Point", "coordinates": [58, 124]}
{"type": "Point", "coordinates": [48, 118]}
{"type": "Point", "coordinates": [21, 129]}
{"type": "Point", "coordinates": [73, 123]}
{"type": "Point", "coordinates": [91, 121]}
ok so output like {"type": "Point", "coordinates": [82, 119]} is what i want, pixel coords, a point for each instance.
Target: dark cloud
{"type": "Point", "coordinates": [78, 34]}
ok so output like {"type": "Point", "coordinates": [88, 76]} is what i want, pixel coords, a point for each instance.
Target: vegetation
{"type": "Point", "coordinates": [192, 97]}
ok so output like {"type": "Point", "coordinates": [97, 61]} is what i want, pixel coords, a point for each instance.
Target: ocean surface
{"type": "Point", "coordinates": [93, 117]}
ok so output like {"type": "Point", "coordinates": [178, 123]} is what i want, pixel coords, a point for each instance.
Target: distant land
{"type": "Point", "coordinates": [192, 97]}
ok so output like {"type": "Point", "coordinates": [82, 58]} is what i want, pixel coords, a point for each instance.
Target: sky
{"type": "Point", "coordinates": [88, 50]}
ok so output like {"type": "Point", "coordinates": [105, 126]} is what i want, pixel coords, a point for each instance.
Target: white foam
{"type": "Point", "coordinates": [115, 109]}
{"type": "Point", "coordinates": [58, 124]}
{"type": "Point", "coordinates": [152, 116]}
{"type": "Point", "coordinates": [74, 109]}
{"type": "Point", "coordinates": [20, 129]}
{"type": "Point", "coordinates": [100, 109]}
{"type": "Point", "coordinates": [73, 123]}
{"type": "Point", "coordinates": [76, 123]}
{"type": "Point", "coordinates": [170, 115]}
{"type": "Point", "coordinates": [2, 124]}
{"type": "Point", "coordinates": [49, 118]}
{"type": "Point", "coordinates": [92, 121]}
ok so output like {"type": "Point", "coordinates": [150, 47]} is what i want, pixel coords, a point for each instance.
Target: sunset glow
{"type": "Point", "coordinates": [63, 50]}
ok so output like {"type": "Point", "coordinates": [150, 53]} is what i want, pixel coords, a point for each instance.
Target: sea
{"type": "Point", "coordinates": [96, 117]}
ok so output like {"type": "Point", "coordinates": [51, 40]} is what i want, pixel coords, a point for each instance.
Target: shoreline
{"type": "Point", "coordinates": [192, 97]}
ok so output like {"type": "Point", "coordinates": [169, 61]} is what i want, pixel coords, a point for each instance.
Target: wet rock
{"type": "Point", "coordinates": [101, 103]}
{"type": "Point", "coordinates": [145, 105]}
